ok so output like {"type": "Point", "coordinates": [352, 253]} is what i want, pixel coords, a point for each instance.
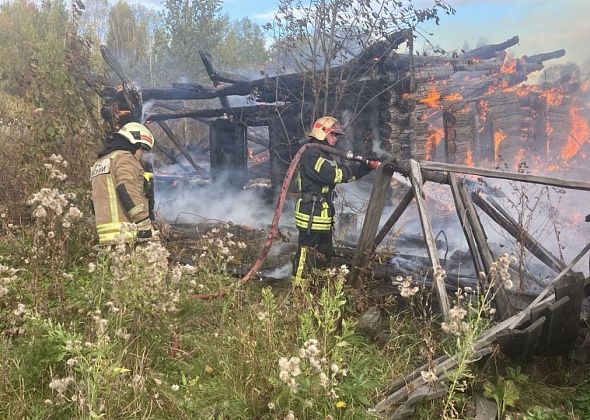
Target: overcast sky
{"type": "Point", "coordinates": [543, 25]}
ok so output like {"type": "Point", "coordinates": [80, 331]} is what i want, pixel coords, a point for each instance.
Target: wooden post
{"type": "Point", "coordinates": [371, 222]}
{"type": "Point", "coordinates": [416, 179]}
{"type": "Point", "coordinates": [399, 210]}
{"type": "Point", "coordinates": [502, 218]}
{"type": "Point", "coordinates": [484, 251]}
{"type": "Point", "coordinates": [467, 229]}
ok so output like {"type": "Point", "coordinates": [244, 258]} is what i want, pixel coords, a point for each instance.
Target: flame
{"type": "Point", "coordinates": [508, 66]}
{"type": "Point", "coordinates": [499, 137]}
{"type": "Point", "coordinates": [469, 158]}
{"type": "Point", "coordinates": [519, 158]}
{"type": "Point", "coordinates": [483, 111]}
{"type": "Point", "coordinates": [456, 96]}
{"type": "Point", "coordinates": [550, 129]}
{"type": "Point", "coordinates": [431, 100]}
{"type": "Point", "coordinates": [579, 134]}
{"type": "Point", "coordinates": [434, 139]}
{"type": "Point", "coordinates": [554, 97]}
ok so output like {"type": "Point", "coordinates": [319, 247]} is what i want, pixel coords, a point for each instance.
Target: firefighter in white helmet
{"type": "Point", "coordinates": [314, 211]}
{"type": "Point", "coordinates": [121, 206]}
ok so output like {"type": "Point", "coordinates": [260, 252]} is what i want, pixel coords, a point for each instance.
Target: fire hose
{"type": "Point", "coordinates": [274, 227]}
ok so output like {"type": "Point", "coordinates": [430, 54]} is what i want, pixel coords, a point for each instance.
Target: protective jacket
{"type": "Point", "coordinates": [118, 197]}
{"type": "Point", "coordinates": [318, 176]}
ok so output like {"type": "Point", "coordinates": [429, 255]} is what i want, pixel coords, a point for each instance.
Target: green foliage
{"type": "Point", "coordinates": [581, 402]}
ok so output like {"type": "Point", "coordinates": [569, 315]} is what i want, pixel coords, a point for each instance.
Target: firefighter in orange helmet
{"type": "Point", "coordinates": [121, 207]}
{"type": "Point", "coordinates": [314, 210]}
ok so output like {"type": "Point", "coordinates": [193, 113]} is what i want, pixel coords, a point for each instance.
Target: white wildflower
{"type": "Point", "coordinates": [428, 376]}
{"type": "Point", "coordinates": [175, 387]}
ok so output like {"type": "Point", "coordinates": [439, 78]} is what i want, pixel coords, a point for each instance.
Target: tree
{"type": "Point", "coordinates": [130, 38]}
{"type": "Point", "coordinates": [242, 49]}
{"type": "Point", "coordinates": [188, 26]}
{"type": "Point", "coordinates": [314, 37]}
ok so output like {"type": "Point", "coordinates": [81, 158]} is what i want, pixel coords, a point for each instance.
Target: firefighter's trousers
{"type": "Point", "coordinates": [315, 250]}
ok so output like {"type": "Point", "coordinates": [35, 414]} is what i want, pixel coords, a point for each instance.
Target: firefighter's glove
{"type": "Point", "coordinates": [588, 218]}
{"type": "Point", "coordinates": [145, 231]}
{"type": "Point", "coordinates": [373, 164]}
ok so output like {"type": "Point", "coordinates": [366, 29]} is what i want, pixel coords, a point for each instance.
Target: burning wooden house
{"type": "Point", "coordinates": [428, 118]}
{"type": "Point", "coordinates": [471, 109]}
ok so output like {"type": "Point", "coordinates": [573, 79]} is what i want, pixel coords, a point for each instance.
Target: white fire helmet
{"type": "Point", "coordinates": [324, 126]}
{"type": "Point", "coordinates": [138, 133]}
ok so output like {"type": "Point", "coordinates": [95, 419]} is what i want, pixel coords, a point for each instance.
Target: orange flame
{"type": "Point", "coordinates": [469, 158]}
{"type": "Point", "coordinates": [520, 157]}
{"type": "Point", "coordinates": [456, 96]}
{"type": "Point", "coordinates": [579, 134]}
{"type": "Point", "coordinates": [499, 137]}
{"type": "Point", "coordinates": [434, 139]}
{"type": "Point", "coordinates": [508, 66]}
{"type": "Point", "coordinates": [483, 111]}
{"type": "Point", "coordinates": [431, 101]}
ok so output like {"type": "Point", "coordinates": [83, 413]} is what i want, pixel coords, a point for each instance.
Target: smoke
{"type": "Point", "coordinates": [190, 200]}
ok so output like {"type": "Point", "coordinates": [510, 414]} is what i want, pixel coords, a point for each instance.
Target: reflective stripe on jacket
{"type": "Point", "coordinates": [120, 205]}
{"type": "Point", "coordinates": [318, 175]}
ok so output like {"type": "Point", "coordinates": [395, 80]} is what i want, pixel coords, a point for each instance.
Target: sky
{"type": "Point", "coordinates": [542, 25]}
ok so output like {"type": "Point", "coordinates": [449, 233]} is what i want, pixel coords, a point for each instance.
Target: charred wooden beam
{"type": "Point", "coordinates": [465, 225]}
{"type": "Point", "coordinates": [539, 58]}
{"type": "Point", "coordinates": [371, 222]}
{"type": "Point", "coordinates": [487, 258]}
{"type": "Point", "coordinates": [131, 91]}
{"type": "Point", "coordinates": [492, 173]}
{"type": "Point", "coordinates": [492, 50]}
{"type": "Point", "coordinates": [211, 71]}
{"type": "Point", "coordinates": [253, 115]}
{"type": "Point", "coordinates": [417, 185]}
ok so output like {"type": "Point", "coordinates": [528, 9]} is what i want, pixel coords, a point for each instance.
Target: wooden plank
{"type": "Point", "coordinates": [416, 179]}
{"type": "Point", "coordinates": [371, 222]}
{"type": "Point", "coordinates": [553, 341]}
{"type": "Point", "coordinates": [484, 251]}
{"type": "Point", "coordinates": [467, 229]}
{"type": "Point", "coordinates": [561, 275]}
{"type": "Point", "coordinates": [504, 219]}
{"type": "Point", "coordinates": [397, 213]}
{"type": "Point", "coordinates": [492, 173]}
{"type": "Point", "coordinates": [521, 344]}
